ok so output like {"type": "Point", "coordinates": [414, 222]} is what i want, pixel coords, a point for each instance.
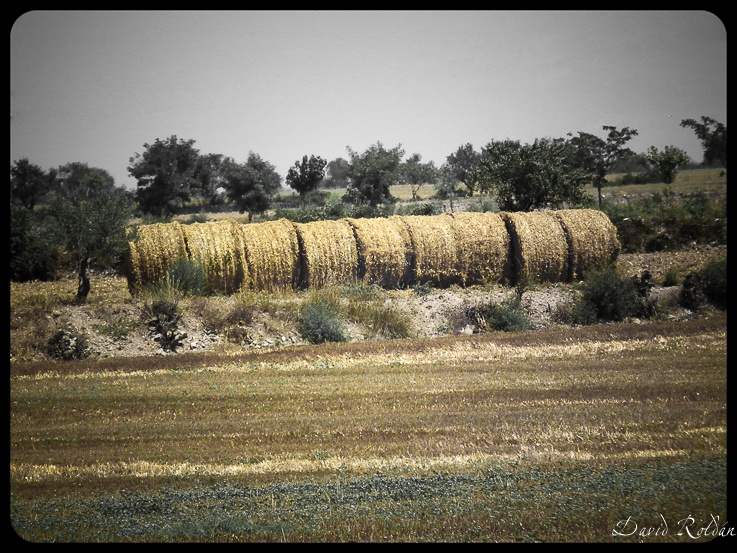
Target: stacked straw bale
{"type": "Point", "coordinates": [539, 247]}
{"type": "Point", "coordinates": [384, 251]}
{"type": "Point", "coordinates": [592, 240]}
{"type": "Point", "coordinates": [155, 248]}
{"type": "Point", "coordinates": [483, 248]}
{"type": "Point", "coordinates": [329, 253]}
{"type": "Point", "coordinates": [434, 248]}
{"type": "Point", "coordinates": [218, 247]}
{"type": "Point", "coordinates": [272, 253]}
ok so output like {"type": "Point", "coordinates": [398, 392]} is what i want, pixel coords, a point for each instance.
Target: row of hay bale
{"type": "Point", "coordinates": [460, 248]}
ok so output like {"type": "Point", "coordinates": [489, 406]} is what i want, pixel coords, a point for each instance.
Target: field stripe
{"type": "Point", "coordinates": [142, 469]}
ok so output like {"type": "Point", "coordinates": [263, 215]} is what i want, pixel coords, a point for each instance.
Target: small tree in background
{"type": "Point", "coordinates": [337, 174]}
{"type": "Point", "coordinates": [250, 185]}
{"type": "Point", "coordinates": [305, 176]}
{"type": "Point", "coordinates": [90, 222]}
{"type": "Point", "coordinates": [713, 136]}
{"type": "Point", "coordinates": [462, 165]}
{"type": "Point", "coordinates": [415, 173]}
{"type": "Point", "coordinates": [667, 162]}
{"type": "Point", "coordinates": [597, 156]}
{"type": "Point", "coordinates": [29, 183]}
{"type": "Point", "coordinates": [165, 175]}
{"type": "Point", "coordinates": [372, 173]}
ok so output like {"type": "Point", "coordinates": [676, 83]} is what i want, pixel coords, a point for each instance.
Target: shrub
{"type": "Point", "coordinates": [424, 208]}
{"type": "Point", "coordinates": [714, 278]}
{"type": "Point", "coordinates": [607, 296]}
{"type": "Point", "coordinates": [188, 275]}
{"type": "Point", "coordinates": [67, 345]}
{"type": "Point", "coordinates": [671, 277]}
{"type": "Point", "coordinates": [707, 284]}
{"type": "Point", "coordinates": [319, 323]}
{"type": "Point", "coordinates": [163, 313]}
{"type": "Point", "coordinates": [390, 322]}
{"type": "Point", "coordinates": [507, 316]}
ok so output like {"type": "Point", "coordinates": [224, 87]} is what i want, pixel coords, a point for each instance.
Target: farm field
{"type": "Point", "coordinates": [418, 428]}
{"type": "Point", "coordinates": [547, 435]}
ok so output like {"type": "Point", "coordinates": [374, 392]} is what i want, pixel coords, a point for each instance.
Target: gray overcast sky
{"type": "Point", "coordinates": [94, 86]}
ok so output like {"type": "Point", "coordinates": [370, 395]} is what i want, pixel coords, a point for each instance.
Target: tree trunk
{"type": "Point", "coordinates": [84, 280]}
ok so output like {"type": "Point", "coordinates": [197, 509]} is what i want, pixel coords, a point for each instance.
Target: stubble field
{"type": "Point", "coordinates": [598, 435]}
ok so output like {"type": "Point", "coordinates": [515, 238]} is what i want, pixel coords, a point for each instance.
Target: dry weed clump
{"type": "Point", "coordinates": [384, 251]}
{"type": "Point", "coordinates": [592, 240]}
{"type": "Point", "coordinates": [539, 247]}
{"type": "Point", "coordinates": [329, 253]}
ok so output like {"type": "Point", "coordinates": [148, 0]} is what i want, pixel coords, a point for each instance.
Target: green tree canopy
{"type": "Point", "coordinates": [463, 165]}
{"type": "Point", "coordinates": [305, 176]}
{"type": "Point", "coordinates": [250, 185]}
{"type": "Point", "coordinates": [29, 183]}
{"type": "Point", "coordinates": [668, 161]}
{"type": "Point", "coordinates": [372, 173]}
{"type": "Point", "coordinates": [533, 176]}
{"type": "Point", "coordinates": [337, 174]}
{"type": "Point", "coordinates": [165, 175]}
{"type": "Point", "coordinates": [596, 155]}
{"type": "Point", "coordinates": [415, 173]}
{"type": "Point", "coordinates": [90, 222]}
{"type": "Point", "coordinates": [713, 137]}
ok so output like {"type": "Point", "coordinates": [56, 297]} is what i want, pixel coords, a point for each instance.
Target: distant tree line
{"type": "Point", "coordinates": [80, 209]}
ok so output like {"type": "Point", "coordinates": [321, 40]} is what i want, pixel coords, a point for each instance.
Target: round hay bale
{"type": "Point", "coordinates": [271, 250]}
{"type": "Point", "coordinates": [384, 251]}
{"type": "Point", "coordinates": [539, 247]}
{"type": "Point", "coordinates": [592, 240]}
{"type": "Point", "coordinates": [483, 251]}
{"type": "Point", "coordinates": [434, 249]}
{"type": "Point", "coordinates": [220, 250]}
{"type": "Point", "coordinates": [153, 250]}
{"type": "Point", "coordinates": [329, 253]}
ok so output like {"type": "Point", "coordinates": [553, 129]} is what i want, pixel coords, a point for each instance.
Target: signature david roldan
{"type": "Point", "coordinates": [687, 526]}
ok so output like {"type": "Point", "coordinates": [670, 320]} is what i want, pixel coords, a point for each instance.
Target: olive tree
{"type": "Point", "coordinates": [90, 222]}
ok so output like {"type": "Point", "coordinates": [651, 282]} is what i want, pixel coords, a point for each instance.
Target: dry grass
{"type": "Point", "coordinates": [618, 392]}
{"type": "Point", "coordinates": [434, 247]}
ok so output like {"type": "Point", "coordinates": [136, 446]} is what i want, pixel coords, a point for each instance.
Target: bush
{"type": "Point", "coordinates": [163, 313]}
{"type": "Point", "coordinates": [507, 316]}
{"type": "Point", "coordinates": [67, 345]}
{"type": "Point", "coordinates": [608, 296]}
{"type": "Point", "coordinates": [424, 208]}
{"type": "Point", "coordinates": [708, 284]}
{"type": "Point", "coordinates": [714, 278]}
{"type": "Point", "coordinates": [188, 275]}
{"type": "Point", "coordinates": [319, 323]}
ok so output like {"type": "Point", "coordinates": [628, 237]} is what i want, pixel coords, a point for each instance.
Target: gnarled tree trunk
{"type": "Point", "coordinates": [84, 280]}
